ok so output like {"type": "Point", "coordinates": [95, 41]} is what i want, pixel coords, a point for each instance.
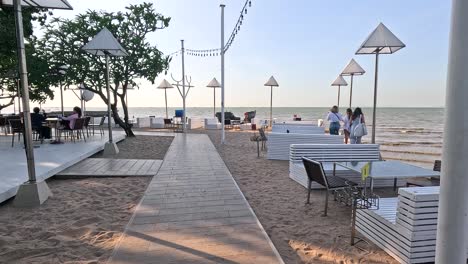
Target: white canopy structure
{"type": "Point", "coordinates": [340, 81]}
{"type": "Point", "coordinates": [214, 84]}
{"type": "Point", "coordinates": [104, 44]}
{"type": "Point", "coordinates": [272, 83]}
{"type": "Point", "coordinates": [165, 85]}
{"type": "Point", "coordinates": [380, 41]}
{"type": "Point", "coordinates": [353, 68]}
{"type": "Point", "coordinates": [31, 193]}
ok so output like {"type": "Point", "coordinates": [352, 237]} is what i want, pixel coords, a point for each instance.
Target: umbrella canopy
{"type": "Point", "coordinates": [272, 82]}
{"type": "Point", "coordinates": [104, 43]}
{"type": "Point", "coordinates": [165, 85]}
{"type": "Point", "coordinates": [381, 41]}
{"type": "Point", "coordinates": [340, 81]}
{"type": "Point", "coordinates": [214, 84]}
{"type": "Point", "coordinates": [353, 68]}
{"type": "Point", "coordinates": [52, 4]}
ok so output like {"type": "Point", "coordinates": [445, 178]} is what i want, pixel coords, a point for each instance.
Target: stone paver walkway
{"type": "Point", "coordinates": [194, 212]}
{"type": "Point", "coordinates": [112, 167]}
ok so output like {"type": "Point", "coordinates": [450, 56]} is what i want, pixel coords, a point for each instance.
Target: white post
{"type": "Point", "coordinates": [109, 122]}
{"type": "Point", "coordinates": [271, 107]}
{"type": "Point", "coordinates": [339, 88]}
{"type": "Point", "coordinates": [453, 207]}
{"type": "Point", "coordinates": [222, 74]}
{"type": "Point", "coordinates": [61, 98]}
{"type": "Point", "coordinates": [214, 102]}
{"type": "Point", "coordinates": [374, 110]}
{"type": "Point", "coordinates": [23, 71]}
{"type": "Point", "coordinates": [351, 91]}
{"type": "Point", "coordinates": [183, 86]}
{"type": "Point", "coordinates": [165, 96]}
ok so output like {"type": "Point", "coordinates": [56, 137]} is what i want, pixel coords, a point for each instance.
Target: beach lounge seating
{"type": "Point", "coordinates": [157, 122]}
{"type": "Point", "coordinates": [143, 122]}
{"type": "Point", "coordinates": [327, 154]}
{"type": "Point", "coordinates": [261, 137]}
{"type": "Point", "coordinates": [297, 129]}
{"type": "Point", "coordinates": [315, 173]}
{"type": "Point", "coordinates": [212, 123]}
{"type": "Point", "coordinates": [406, 226]}
{"type": "Point", "coordinates": [279, 143]}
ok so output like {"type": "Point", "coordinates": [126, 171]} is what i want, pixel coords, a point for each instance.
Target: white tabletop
{"type": "Point", "coordinates": [390, 169]}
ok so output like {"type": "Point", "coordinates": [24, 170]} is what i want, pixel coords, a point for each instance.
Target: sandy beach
{"type": "Point", "coordinates": [298, 231]}
{"type": "Point", "coordinates": [85, 218]}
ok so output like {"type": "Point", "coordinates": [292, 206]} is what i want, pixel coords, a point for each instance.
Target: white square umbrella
{"type": "Point", "coordinates": [353, 68]}
{"type": "Point", "coordinates": [214, 84]}
{"type": "Point", "coordinates": [272, 83]}
{"type": "Point", "coordinates": [165, 85]}
{"type": "Point", "coordinates": [380, 41]}
{"type": "Point", "coordinates": [340, 81]}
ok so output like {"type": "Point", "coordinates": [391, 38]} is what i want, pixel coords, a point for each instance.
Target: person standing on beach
{"type": "Point", "coordinates": [347, 124]}
{"type": "Point", "coordinates": [334, 117]}
{"type": "Point", "coordinates": [356, 119]}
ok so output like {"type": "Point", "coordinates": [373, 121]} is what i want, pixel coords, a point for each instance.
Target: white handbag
{"type": "Point", "coordinates": [360, 129]}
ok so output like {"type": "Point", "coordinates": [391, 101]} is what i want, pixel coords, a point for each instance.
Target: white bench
{"type": "Point", "coordinates": [330, 153]}
{"type": "Point", "coordinates": [157, 122]}
{"type": "Point", "coordinates": [405, 227]}
{"type": "Point", "coordinates": [212, 123]}
{"type": "Point", "coordinates": [278, 144]}
{"type": "Point", "coordinates": [297, 128]}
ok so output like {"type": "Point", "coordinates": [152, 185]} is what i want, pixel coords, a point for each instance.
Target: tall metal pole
{"type": "Point", "coordinates": [271, 106]}
{"type": "Point", "coordinates": [339, 87]}
{"type": "Point", "coordinates": [24, 86]}
{"type": "Point", "coordinates": [452, 227]}
{"type": "Point", "coordinates": [374, 110]}
{"type": "Point", "coordinates": [19, 95]}
{"type": "Point", "coordinates": [61, 98]}
{"type": "Point", "coordinates": [165, 96]}
{"type": "Point", "coordinates": [109, 123]}
{"type": "Point", "coordinates": [351, 91]}
{"type": "Point", "coordinates": [183, 86]}
{"type": "Point", "coordinates": [214, 101]}
{"type": "Point", "coordinates": [223, 137]}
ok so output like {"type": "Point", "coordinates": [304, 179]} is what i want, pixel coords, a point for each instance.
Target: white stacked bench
{"type": "Point", "coordinates": [330, 153]}
{"type": "Point", "coordinates": [278, 144]}
{"type": "Point", "coordinates": [405, 227]}
{"type": "Point", "coordinates": [297, 128]}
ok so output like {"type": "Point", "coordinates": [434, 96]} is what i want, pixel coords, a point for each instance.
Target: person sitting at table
{"type": "Point", "coordinates": [37, 121]}
{"type": "Point", "coordinates": [69, 121]}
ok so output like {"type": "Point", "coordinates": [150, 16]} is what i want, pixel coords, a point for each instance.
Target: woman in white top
{"type": "Point", "coordinates": [334, 117]}
{"type": "Point", "coordinates": [347, 124]}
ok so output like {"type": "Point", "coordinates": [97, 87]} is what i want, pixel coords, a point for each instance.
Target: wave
{"type": "Point", "coordinates": [435, 144]}
{"type": "Point", "coordinates": [408, 160]}
{"type": "Point", "coordinates": [411, 152]}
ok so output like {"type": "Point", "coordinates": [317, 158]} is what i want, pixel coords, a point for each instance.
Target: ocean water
{"type": "Point", "coordinates": [410, 134]}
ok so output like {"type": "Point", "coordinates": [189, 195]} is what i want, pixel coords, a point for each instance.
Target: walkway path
{"type": "Point", "coordinates": [193, 212]}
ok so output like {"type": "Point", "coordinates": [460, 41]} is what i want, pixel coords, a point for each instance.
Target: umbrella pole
{"type": "Point", "coordinates": [165, 96]}
{"type": "Point", "coordinates": [214, 101]}
{"type": "Point", "coordinates": [271, 106]}
{"type": "Point", "coordinates": [351, 91]}
{"type": "Point", "coordinates": [375, 97]}
{"type": "Point", "coordinates": [339, 87]}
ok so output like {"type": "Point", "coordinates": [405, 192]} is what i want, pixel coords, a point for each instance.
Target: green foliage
{"type": "Point", "coordinates": [37, 67]}
{"type": "Point", "coordinates": [64, 38]}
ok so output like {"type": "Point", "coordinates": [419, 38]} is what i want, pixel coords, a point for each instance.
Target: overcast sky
{"type": "Point", "coordinates": [304, 44]}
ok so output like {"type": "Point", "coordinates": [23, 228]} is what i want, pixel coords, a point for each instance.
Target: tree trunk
{"type": "Point", "coordinates": [127, 127]}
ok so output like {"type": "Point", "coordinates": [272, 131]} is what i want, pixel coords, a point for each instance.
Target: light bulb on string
{"type": "Point", "coordinates": [246, 11]}
{"type": "Point", "coordinates": [250, 3]}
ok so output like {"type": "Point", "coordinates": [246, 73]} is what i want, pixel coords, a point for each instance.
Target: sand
{"type": "Point", "coordinates": [85, 218]}
{"type": "Point", "coordinates": [298, 231]}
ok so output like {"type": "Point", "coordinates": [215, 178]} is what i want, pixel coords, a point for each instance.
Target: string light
{"type": "Point", "coordinates": [238, 24]}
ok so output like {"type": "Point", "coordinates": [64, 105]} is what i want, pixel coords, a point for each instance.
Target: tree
{"type": "Point", "coordinates": [37, 67]}
{"type": "Point", "coordinates": [64, 38]}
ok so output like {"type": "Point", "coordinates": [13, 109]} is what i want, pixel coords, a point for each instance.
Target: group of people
{"type": "Point", "coordinates": [353, 124]}
{"type": "Point", "coordinates": [38, 118]}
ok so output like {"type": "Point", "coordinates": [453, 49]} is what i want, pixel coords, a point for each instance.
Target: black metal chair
{"type": "Point", "coordinates": [86, 124]}
{"type": "Point", "coordinates": [316, 173]}
{"type": "Point", "coordinates": [100, 125]}
{"type": "Point", "coordinates": [79, 129]}
{"type": "Point", "coordinates": [16, 128]}
{"type": "Point", "coordinates": [259, 138]}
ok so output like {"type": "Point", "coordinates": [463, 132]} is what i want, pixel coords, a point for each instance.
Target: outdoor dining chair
{"type": "Point", "coordinates": [316, 173]}
{"type": "Point", "coordinates": [99, 125]}
{"type": "Point", "coordinates": [16, 128]}
{"type": "Point", "coordinates": [3, 124]}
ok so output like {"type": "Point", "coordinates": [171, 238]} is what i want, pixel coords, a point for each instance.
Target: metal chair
{"type": "Point", "coordinates": [259, 138]}
{"type": "Point", "coordinates": [79, 129]}
{"type": "Point", "coordinates": [86, 124]}
{"type": "Point", "coordinates": [16, 128]}
{"type": "Point", "coordinates": [100, 125]}
{"type": "Point", "coordinates": [316, 173]}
